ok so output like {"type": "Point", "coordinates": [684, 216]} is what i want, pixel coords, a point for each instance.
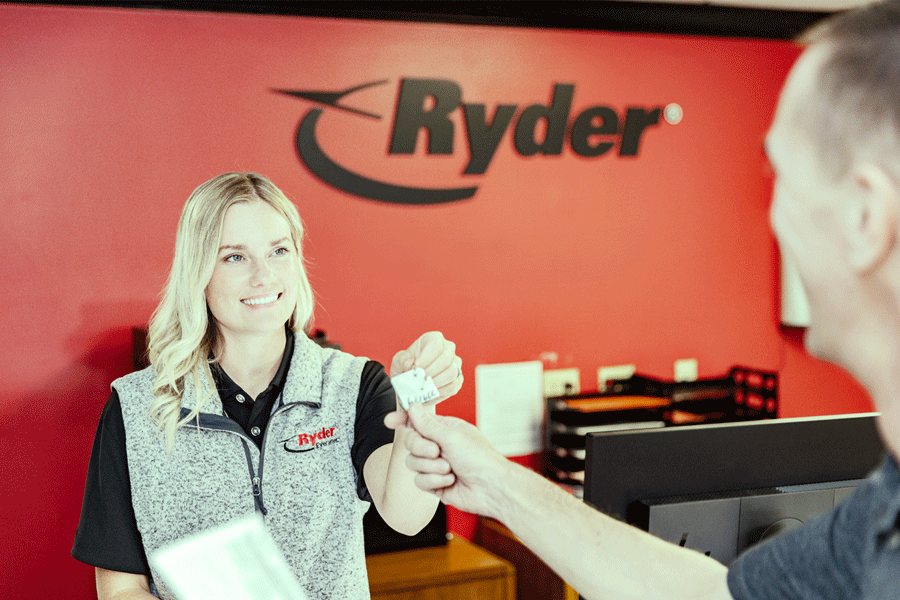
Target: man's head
{"type": "Point", "coordinates": [835, 149]}
{"type": "Point", "coordinates": [855, 112]}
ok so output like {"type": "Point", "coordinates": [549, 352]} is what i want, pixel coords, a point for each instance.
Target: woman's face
{"type": "Point", "coordinates": [253, 290]}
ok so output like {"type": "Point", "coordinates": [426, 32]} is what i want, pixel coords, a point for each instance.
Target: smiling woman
{"type": "Point", "coordinates": [220, 222]}
{"type": "Point", "coordinates": [253, 289]}
{"type": "Point", "coordinates": [233, 379]}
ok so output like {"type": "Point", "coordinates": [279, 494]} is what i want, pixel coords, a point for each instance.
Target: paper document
{"type": "Point", "coordinates": [509, 400]}
{"type": "Point", "coordinates": [237, 561]}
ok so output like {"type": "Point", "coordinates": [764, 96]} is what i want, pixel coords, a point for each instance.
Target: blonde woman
{"type": "Point", "coordinates": [240, 411]}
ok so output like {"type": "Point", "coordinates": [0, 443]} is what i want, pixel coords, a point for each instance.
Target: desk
{"type": "Point", "coordinates": [458, 571]}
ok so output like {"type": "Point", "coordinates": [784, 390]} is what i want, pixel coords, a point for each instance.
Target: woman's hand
{"type": "Point", "coordinates": [437, 356]}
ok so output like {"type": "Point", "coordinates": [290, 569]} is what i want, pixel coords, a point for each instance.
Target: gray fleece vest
{"type": "Point", "coordinates": [303, 480]}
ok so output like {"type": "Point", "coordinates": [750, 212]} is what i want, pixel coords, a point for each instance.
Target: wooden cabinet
{"type": "Point", "coordinates": [458, 571]}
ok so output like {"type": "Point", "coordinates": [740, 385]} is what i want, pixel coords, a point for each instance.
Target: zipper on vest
{"type": "Point", "coordinates": [255, 481]}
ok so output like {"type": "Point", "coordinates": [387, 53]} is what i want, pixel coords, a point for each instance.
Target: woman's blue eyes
{"type": "Point", "coordinates": [233, 258]}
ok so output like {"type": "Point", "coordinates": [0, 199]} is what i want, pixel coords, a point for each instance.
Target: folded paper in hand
{"type": "Point", "coordinates": [237, 561]}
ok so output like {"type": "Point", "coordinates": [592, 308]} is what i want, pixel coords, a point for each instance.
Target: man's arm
{"type": "Point", "coordinates": [401, 504]}
{"type": "Point", "coordinates": [597, 555]}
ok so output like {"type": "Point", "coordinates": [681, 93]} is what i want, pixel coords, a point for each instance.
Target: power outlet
{"type": "Point", "coordinates": [686, 369]}
{"type": "Point", "coordinates": [562, 382]}
{"type": "Point", "coordinates": [613, 373]}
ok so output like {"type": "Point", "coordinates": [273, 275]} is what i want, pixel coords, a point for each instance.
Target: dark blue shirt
{"type": "Point", "coordinates": [852, 552]}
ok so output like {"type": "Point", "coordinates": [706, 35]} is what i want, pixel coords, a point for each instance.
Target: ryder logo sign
{"type": "Point", "coordinates": [426, 105]}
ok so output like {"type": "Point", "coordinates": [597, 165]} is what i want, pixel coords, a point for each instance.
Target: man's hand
{"type": "Point", "coordinates": [597, 555]}
{"type": "Point", "coordinates": [454, 461]}
{"type": "Point", "coordinates": [400, 502]}
{"type": "Point", "coordinates": [438, 357]}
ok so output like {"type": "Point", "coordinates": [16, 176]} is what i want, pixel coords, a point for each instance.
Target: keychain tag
{"type": "Point", "coordinates": [414, 387]}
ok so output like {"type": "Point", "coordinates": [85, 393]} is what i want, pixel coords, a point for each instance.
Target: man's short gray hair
{"type": "Point", "coordinates": [854, 113]}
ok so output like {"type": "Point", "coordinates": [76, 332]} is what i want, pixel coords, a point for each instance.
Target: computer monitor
{"type": "Point", "coordinates": [720, 488]}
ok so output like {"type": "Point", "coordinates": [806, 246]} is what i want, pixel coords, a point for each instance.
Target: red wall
{"type": "Point", "coordinates": [109, 118]}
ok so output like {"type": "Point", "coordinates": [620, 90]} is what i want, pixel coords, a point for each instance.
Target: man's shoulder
{"type": "Point", "coordinates": [882, 492]}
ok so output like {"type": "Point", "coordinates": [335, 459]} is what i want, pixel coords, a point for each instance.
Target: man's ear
{"type": "Point", "coordinates": [872, 216]}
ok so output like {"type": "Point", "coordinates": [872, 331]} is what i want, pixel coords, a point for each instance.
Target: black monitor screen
{"type": "Point", "coordinates": [673, 473]}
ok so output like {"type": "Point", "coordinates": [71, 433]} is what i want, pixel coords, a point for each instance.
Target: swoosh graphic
{"type": "Point", "coordinates": [301, 450]}
{"type": "Point", "coordinates": [315, 159]}
{"type": "Point", "coordinates": [332, 98]}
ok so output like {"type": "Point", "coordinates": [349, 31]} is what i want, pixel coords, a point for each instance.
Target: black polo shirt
{"type": "Point", "coordinates": [107, 535]}
{"type": "Point", "coordinates": [252, 414]}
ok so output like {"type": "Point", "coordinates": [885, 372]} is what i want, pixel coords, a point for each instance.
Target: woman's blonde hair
{"type": "Point", "coordinates": [182, 333]}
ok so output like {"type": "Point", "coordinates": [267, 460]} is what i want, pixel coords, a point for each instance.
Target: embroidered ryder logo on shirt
{"type": "Point", "coordinates": [304, 442]}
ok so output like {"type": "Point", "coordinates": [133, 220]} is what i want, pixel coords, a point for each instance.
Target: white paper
{"type": "Point", "coordinates": [237, 561]}
{"type": "Point", "coordinates": [509, 400]}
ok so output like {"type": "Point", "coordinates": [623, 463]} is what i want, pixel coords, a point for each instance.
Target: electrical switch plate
{"type": "Point", "coordinates": [562, 382]}
{"type": "Point", "coordinates": [613, 373]}
{"type": "Point", "coordinates": [686, 369]}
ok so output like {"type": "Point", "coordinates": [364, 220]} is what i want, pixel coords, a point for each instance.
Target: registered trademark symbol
{"type": "Point", "coordinates": [673, 114]}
